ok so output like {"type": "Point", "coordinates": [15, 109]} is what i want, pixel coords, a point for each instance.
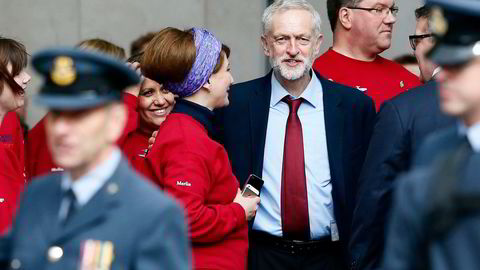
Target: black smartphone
{"type": "Point", "coordinates": [253, 186]}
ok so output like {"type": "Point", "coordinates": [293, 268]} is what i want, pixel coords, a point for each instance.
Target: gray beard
{"type": "Point", "coordinates": [289, 74]}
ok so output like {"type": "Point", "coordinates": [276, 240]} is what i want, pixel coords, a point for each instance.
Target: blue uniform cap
{"type": "Point", "coordinates": [455, 24]}
{"type": "Point", "coordinates": [78, 79]}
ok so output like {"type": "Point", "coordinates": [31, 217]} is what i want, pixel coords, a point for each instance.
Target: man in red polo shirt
{"type": "Point", "coordinates": [362, 30]}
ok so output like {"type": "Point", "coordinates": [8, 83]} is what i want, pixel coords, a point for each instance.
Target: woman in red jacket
{"type": "Point", "coordinates": [153, 106]}
{"type": "Point", "coordinates": [13, 82]}
{"type": "Point", "coordinates": [185, 160]}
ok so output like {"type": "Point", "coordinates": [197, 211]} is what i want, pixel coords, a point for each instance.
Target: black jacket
{"type": "Point", "coordinates": [401, 126]}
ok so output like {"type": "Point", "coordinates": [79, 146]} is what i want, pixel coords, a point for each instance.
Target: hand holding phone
{"type": "Point", "coordinates": [253, 186]}
{"type": "Point", "coordinates": [249, 190]}
{"type": "Point", "coordinates": [249, 204]}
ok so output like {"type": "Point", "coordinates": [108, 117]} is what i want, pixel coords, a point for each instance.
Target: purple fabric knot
{"type": "Point", "coordinates": [208, 49]}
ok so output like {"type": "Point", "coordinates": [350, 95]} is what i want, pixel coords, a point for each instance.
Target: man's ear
{"type": "Point", "coordinates": [317, 46]}
{"type": "Point", "coordinates": [345, 18]}
{"type": "Point", "coordinates": [117, 111]}
{"type": "Point", "coordinates": [266, 50]}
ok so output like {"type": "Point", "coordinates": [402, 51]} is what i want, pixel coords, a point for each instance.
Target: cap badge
{"type": "Point", "coordinates": [476, 49]}
{"type": "Point", "coordinates": [63, 72]}
{"type": "Point", "coordinates": [438, 22]}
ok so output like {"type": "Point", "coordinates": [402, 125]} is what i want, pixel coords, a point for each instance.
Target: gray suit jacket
{"type": "Point", "coordinates": [409, 239]}
{"type": "Point", "coordinates": [146, 228]}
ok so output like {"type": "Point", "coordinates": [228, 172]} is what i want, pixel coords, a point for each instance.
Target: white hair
{"type": "Point", "coordinates": [284, 5]}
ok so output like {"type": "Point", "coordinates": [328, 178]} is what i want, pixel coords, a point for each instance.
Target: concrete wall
{"type": "Point", "coordinates": [45, 23]}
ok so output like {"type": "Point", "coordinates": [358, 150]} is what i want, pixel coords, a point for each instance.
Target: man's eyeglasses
{"type": "Point", "coordinates": [383, 11]}
{"type": "Point", "coordinates": [415, 39]}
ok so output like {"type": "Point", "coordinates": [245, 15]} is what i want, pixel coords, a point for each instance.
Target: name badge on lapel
{"type": "Point", "coordinates": [96, 255]}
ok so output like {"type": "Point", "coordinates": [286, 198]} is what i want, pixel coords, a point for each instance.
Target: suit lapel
{"type": "Point", "coordinates": [96, 210]}
{"type": "Point", "coordinates": [259, 108]}
{"type": "Point", "coordinates": [334, 121]}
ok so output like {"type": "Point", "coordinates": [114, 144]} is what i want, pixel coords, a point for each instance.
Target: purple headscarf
{"type": "Point", "coordinates": [208, 49]}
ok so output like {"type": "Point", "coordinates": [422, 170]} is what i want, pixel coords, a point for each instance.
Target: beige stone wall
{"type": "Point", "coordinates": [44, 23]}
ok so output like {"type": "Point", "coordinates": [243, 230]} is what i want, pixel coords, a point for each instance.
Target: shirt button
{"type": "Point", "coordinates": [55, 253]}
{"type": "Point", "coordinates": [112, 188]}
{"type": "Point", "coordinates": [15, 264]}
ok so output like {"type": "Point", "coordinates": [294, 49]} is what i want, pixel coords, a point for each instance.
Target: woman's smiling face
{"type": "Point", "coordinates": [154, 103]}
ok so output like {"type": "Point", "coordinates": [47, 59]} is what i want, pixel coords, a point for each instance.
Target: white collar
{"type": "Point", "coordinates": [312, 94]}
{"type": "Point", "coordinates": [87, 185]}
{"type": "Point", "coordinates": [472, 133]}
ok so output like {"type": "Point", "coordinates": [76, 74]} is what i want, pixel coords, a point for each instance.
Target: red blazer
{"type": "Point", "coordinates": [39, 159]}
{"type": "Point", "coordinates": [195, 169]}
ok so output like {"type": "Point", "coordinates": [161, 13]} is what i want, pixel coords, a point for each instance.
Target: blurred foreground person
{"type": "Point", "coordinates": [402, 124]}
{"type": "Point", "coordinates": [435, 219]}
{"type": "Point", "coordinates": [98, 213]}
{"type": "Point", "coordinates": [13, 82]}
{"type": "Point", "coordinates": [39, 159]}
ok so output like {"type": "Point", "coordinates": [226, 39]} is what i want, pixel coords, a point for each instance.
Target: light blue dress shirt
{"type": "Point", "coordinates": [87, 185]}
{"type": "Point", "coordinates": [472, 133]}
{"type": "Point", "coordinates": [317, 168]}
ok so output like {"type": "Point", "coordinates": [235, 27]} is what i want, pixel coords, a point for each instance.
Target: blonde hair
{"type": "Point", "coordinates": [102, 46]}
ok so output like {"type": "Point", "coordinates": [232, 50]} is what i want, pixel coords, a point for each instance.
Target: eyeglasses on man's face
{"type": "Point", "coordinates": [415, 39]}
{"type": "Point", "coordinates": [382, 11]}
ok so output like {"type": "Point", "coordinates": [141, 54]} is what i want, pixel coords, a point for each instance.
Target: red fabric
{"type": "Point", "coordinates": [12, 167]}
{"type": "Point", "coordinates": [295, 223]}
{"type": "Point", "coordinates": [39, 158]}
{"type": "Point", "coordinates": [11, 185]}
{"type": "Point", "coordinates": [134, 149]}
{"type": "Point", "coordinates": [380, 79]}
{"type": "Point", "coordinates": [195, 169]}
{"type": "Point", "coordinates": [135, 144]}
{"type": "Point", "coordinates": [11, 136]}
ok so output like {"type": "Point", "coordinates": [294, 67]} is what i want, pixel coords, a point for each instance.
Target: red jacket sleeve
{"type": "Point", "coordinates": [11, 185]}
{"type": "Point", "coordinates": [141, 165]}
{"type": "Point", "coordinates": [185, 175]}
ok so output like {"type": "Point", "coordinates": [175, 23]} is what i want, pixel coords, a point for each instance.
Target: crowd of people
{"type": "Point", "coordinates": [142, 163]}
